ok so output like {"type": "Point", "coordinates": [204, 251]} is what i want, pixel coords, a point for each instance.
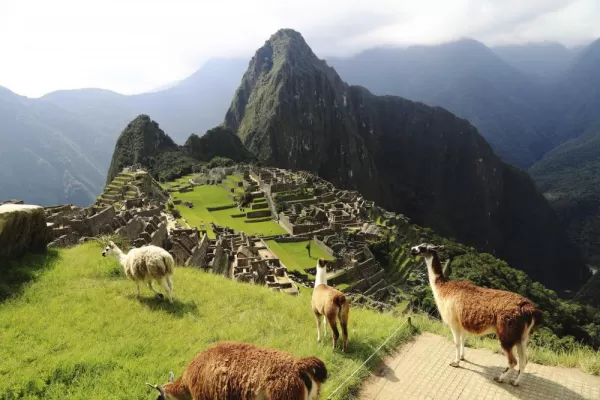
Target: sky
{"type": "Point", "coordinates": [132, 46]}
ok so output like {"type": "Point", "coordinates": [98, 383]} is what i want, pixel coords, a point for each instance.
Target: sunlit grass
{"type": "Point", "coordinates": [79, 332]}
{"type": "Point", "coordinates": [295, 256]}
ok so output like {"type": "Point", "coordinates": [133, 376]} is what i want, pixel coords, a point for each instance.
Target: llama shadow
{"type": "Point", "coordinates": [178, 309]}
{"type": "Point", "coordinates": [382, 370]}
{"type": "Point", "coordinates": [16, 274]}
{"type": "Point", "coordinates": [532, 387]}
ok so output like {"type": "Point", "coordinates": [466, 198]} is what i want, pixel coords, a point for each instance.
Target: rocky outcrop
{"type": "Point", "coordinates": [22, 230]}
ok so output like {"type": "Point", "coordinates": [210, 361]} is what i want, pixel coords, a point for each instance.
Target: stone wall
{"type": "Point", "coordinates": [198, 257]}
{"type": "Point", "coordinates": [324, 247]}
{"type": "Point", "coordinates": [97, 221]}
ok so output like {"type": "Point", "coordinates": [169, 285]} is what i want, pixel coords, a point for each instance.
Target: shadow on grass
{"type": "Point", "coordinates": [532, 387]}
{"type": "Point", "coordinates": [178, 309]}
{"type": "Point", "coordinates": [16, 274]}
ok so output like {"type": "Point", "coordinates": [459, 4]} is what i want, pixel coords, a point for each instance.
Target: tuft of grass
{"type": "Point", "coordinates": [79, 332]}
{"type": "Point", "coordinates": [583, 358]}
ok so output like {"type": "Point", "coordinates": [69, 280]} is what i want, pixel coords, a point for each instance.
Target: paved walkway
{"type": "Point", "coordinates": [420, 370]}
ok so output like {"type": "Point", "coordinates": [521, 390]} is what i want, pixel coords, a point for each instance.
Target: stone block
{"type": "Point", "coordinates": [22, 229]}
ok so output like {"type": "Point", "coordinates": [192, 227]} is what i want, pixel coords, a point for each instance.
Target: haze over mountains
{"type": "Point", "coordinates": [527, 101]}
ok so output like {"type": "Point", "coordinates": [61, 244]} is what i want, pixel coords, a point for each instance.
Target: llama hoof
{"type": "Point", "coordinates": [462, 358]}
{"type": "Point", "coordinates": [514, 383]}
{"type": "Point", "coordinates": [454, 364]}
{"type": "Point", "coordinates": [497, 379]}
{"type": "Point", "coordinates": [162, 296]}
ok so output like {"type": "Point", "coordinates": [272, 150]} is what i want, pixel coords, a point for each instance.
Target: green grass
{"type": "Point", "coordinates": [584, 358]}
{"type": "Point", "coordinates": [77, 331]}
{"type": "Point", "coordinates": [215, 196]}
{"type": "Point", "coordinates": [294, 255]}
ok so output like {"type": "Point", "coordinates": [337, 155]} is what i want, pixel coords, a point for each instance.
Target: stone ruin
{"type": "Point", "coordinates": [68, 224]}
{"type": "Point", "coordinates": [248, 259]}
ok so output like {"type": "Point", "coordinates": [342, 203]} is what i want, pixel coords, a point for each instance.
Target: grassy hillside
{"type": "Point", "coordinates": [78, 331]}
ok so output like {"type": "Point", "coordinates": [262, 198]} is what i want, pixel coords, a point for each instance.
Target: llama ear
{"type": "Point", "coordinates": [171, 377]}
{"type": "Point", "coordinates": [111, 243]}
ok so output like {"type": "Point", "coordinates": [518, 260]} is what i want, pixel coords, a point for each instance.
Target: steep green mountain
{"type": "Point", "coordinates": [470, 80]}
{"type": "Point", "coordinates": [41, 157]}
{"type": "Point", "coordinates": [216, 142]}
{"type": "Point", "coordinates": [569, 176]}
{"type": "Point", "coordinates": [294, 111]}
{"type": "Point", "coordinates": [143, 142]}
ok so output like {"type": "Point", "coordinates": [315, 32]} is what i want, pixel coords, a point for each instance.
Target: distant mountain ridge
{"type": "Point", "coordinates": [57, 148]}
{"type": "Point", "coordinates": [468, 79]}
{"type": "Point", "coordinates": [294, 111]}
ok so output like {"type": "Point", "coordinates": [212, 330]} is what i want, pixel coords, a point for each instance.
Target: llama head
{"type": "Point", "coordinates": [321, 263]}
{"type": "Point", "coordinates": [425, 249]}
{"type": "Point", "coordinates": [161, 388]}
{"type": "Point", "coordinates": [109, 249]}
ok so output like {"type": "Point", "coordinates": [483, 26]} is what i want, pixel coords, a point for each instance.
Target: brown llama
{"type": "Point", "coordinates": [470, 309]}
{"type": "Point", "coordinates": [330, 304]}
{"type": "Point", "coordinates": [243, 371]}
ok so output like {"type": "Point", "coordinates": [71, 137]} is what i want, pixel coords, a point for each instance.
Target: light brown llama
{"type": "Point", "coordinates": [330, 304]}
{"type": "Point", "coordinates": [470, 309]}
{"type": "Point", "coordinates": [243, 371]}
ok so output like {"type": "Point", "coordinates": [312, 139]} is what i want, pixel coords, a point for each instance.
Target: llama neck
{"type": "Point", "coordinates": [177, 390]}
{"type": "Point", "coordinates": [434, 270]}
{"type": "Point", "coordinates": [321, 277]}
{"type": "Point", "coordinates": [120, 255]}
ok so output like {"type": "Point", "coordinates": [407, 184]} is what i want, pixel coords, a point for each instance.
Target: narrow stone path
{"type": "Point", "coordinates": [420, 370]}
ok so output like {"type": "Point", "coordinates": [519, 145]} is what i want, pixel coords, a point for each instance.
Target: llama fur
{"type": "Point", "coordinates": [244, 371]}
{"type": "Point", "coordinates": [146, 264]}
{"type": "Point", "coordinates": [470, 309]}
{"type": "Point", "coordinates": [329, 304]}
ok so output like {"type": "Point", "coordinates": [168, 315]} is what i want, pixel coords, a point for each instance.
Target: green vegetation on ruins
{"type": "Point", "coordinates": [295, 256]}
{"type": "Point", "coordinates": [89, 350]}
{"type": "Point", "coordinates": [212, 196]}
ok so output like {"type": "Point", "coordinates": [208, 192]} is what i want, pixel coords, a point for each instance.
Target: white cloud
{"type": "Point", "coordinates": [135, 45]}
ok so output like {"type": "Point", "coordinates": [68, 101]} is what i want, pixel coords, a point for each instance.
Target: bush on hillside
{"type": "Point", "coordinates": [220, 162]}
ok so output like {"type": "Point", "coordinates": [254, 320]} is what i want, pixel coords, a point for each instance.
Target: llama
{"type": "Point", "coordinates": [331, 304]}
{"type": "Point", "coordinates": [470, 309]}
{"type": "Point", "coordinates": [243, 371]}
{"type": "Point", "coordinates": [146, 263]}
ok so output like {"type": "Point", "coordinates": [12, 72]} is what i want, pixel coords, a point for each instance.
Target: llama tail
{"type": "Point", "coordinates": [533, 316]}
{"type": "Point", "coordinates": [343, 311]}
{"type": "Point", "coordinates": [313, 366]}
{"type": "Point", "coordinates": [169, 264]}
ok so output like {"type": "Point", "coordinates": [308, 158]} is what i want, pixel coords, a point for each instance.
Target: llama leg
{"type": "Point", "coordinates": [137, 283]}
{"type": "Point", "coordinates": [512, 361]}
{"type": "Point", "coordinates": [151, 287]}
{"type": "Point", "coordinates": [344, 334]}
{"type": "Point", "coordinates": [318, 318]}
{"type": "Point", "coordinates": [324, 326]}
{"type": "Point", "coordinates": [334, 330]}
{"type": "Point", "coordinates": [463, 338]}
{"type": "Point", "coordinates": [522, 353]}
{"type": "Point", "coordinates": [456, 335]}
{"type": "Point", "coordinates": [164, 284]}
